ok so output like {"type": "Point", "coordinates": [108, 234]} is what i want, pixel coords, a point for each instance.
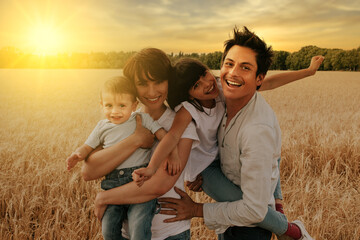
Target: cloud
{"type": "Point", "coordinates": [196, 24]}
{"type": "Point", "coordinates": [189, 25]}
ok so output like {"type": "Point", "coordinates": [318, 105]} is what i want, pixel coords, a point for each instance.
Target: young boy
{"type": "Point", "coordinates": [118, 102]}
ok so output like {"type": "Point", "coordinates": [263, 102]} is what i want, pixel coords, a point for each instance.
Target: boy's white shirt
{"type": "Point", "coordinates": [108, 134]}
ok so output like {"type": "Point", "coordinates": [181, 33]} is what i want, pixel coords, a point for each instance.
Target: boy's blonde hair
{"type": "Point", "coordinates": [119, 85]}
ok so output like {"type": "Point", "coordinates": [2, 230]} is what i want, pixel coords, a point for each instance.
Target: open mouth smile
{"type": "Point", "coordinates": [233, 84]}
{"type": "Point", "coordinates": [210, 90]}
{"type": "Point", "coordinates": [153, 99]}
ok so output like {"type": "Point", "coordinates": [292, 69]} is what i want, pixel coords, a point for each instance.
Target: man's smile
{"type": "Point", "coordinates": [233, 83]}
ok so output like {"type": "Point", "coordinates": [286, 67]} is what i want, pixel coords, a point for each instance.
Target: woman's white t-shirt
{"type": "Point", "coordinates": [159, 229]}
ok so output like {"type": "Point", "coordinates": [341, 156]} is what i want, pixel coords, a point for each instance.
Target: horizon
{"type": "Point", "coordinates": [47, 27]}
{"type": "Point", "coordinates": [169, 53]}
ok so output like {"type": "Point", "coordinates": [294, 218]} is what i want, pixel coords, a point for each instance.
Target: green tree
{"type": "Point", "coordinates": [279, 60]}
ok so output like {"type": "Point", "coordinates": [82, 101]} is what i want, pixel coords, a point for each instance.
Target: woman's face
{"type": "Point", "coordinates": [152, 94]}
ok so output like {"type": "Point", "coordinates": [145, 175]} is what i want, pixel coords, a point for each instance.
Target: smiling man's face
{"type": "Point", "coordinates": [238, 74]}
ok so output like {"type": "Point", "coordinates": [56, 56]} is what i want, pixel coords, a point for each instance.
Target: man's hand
{"type": "Point", "coordinates": [315, 64]}
{"type": "Point", "coordinates": [146, 138]}
{"type": "Point", "coordinates": [99, 208]}
{"type": "Point", "coordinates": [196, 184]}
{"type": "Point", "coordinates": [184, 208]}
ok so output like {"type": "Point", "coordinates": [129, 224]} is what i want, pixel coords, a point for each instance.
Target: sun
{"type": "Point", "coordinates": [45, 39]}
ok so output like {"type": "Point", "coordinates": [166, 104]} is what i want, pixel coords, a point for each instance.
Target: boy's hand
{"type": "Point", "coordinates": [196, 184]}
{"type": "Point", "coordinates": [73, 159]}
{"type": "Point", "coordinates": [142, 174]}
{"type": "Point", "coordinates": [315, 64]}
{"type": "Point", "coordinates": [172, 165]}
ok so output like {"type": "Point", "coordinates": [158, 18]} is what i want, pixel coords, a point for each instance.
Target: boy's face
{"type": "Point", "coordinates": [238, 74]}
{"type": "Point", "coordinates": [118, 107]}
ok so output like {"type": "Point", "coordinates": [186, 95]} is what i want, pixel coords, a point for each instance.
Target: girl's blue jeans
{"type": "Point", "coordinates": [139, 215]}
{"type": "Point", "coordinates": [221, 189]}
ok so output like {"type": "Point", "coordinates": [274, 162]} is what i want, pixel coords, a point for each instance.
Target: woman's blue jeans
{"type": "Point", "coordinates": [221, 189]}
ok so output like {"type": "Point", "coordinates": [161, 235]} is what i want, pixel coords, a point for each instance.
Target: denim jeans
{"type": "Point", "coordinates": [221, 189]}
{"type": "Point", "coordinates": [245, 233]}
{"type": "Point", "coordinates": [139, 215]}
{"type": "Point", "coordinates": [277, 192]}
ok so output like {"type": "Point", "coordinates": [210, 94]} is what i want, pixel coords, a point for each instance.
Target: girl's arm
{"type": "Point", "coordinates": [172, 164]}
{"type": "Point", "coordinates": [278, 80]}
{"type": "Point", "coordinates": [166, 147]}
{"type": "Point", "coordinates": [158, 185]}
{"type": "Point", "coordinates": [172, 138]}
{"type": "Point", "coordinates": [104, 161]}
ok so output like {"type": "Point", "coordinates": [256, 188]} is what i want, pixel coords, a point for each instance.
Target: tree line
{"type": "Point", "coordinates": [335, 59]}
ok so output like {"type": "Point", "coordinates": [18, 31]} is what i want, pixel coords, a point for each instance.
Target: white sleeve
{"type": "Point", "coordinates": [191, 109]}
{"type": "Point", "coordinates": [94, 138]}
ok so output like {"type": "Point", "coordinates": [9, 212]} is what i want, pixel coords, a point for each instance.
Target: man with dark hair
{"type": "Point", "coordinates": [248, 39]}
{"type": "Point", "coordinates": [249, 139]}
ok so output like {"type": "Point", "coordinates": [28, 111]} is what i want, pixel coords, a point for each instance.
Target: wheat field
{"type": "Point", "coordinates": [46, 114]}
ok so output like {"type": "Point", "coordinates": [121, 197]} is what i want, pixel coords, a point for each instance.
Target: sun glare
{"type": "Point", "coordinates": [45, 40]}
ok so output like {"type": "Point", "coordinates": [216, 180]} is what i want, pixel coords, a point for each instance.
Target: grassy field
{"type": "Point", "coordinates": [45, 115]}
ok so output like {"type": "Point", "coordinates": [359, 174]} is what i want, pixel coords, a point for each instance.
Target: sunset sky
{"type": "Point", "coordinates": [59, 26]}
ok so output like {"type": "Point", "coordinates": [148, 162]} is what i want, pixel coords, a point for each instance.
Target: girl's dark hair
{"type": "Point", "coordinates": [149, 64]}
{"type": "Point", "coordinates": [187, 71]}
